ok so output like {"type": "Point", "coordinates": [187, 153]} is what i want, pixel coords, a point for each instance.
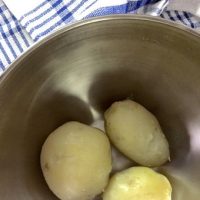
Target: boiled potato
{"type": "Point", "coordinates": [136, 133]}
{"type": "Point", "coordinates": [138, 183]}
{"type": "Point", "coordinates": [76, 161]}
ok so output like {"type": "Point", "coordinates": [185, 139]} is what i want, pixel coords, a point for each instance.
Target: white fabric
{"type": "Point", "coordinates": [82, 12]}
{"type": "Point", "coordinates": [20, 7]}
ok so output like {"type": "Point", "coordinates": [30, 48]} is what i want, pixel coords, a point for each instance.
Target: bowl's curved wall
{"type": "Point", "coordinates": [79, 72]}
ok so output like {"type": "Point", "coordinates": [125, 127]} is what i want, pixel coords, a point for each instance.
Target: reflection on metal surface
{"type": "Point", "coordinates": [194, 129]}
{"type": "Point", "coordinates": [76, 75]}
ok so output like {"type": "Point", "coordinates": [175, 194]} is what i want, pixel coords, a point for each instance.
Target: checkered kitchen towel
{"type": "Point", "coordinates": [23, 22]}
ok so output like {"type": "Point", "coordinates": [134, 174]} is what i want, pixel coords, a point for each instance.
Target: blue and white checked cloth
{"type": "Point", "coordinates": [23, 22]}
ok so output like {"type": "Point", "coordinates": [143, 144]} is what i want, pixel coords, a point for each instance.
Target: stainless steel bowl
{"type": "Point", "coordinates": [76, 73]}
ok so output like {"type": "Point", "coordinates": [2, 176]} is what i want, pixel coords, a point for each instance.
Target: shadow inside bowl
{"type": "Point", "coordinates": [49, 111]}
{"type": "Point", "coordinates": [143, 88]}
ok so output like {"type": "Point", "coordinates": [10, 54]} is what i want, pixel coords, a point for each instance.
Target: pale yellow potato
{"type": "Point", "coordinates": [138, 183]}
{"type": "Point", "coordinates": [76, 161]}
{"type": "Point", "coordinates": [136, 133]}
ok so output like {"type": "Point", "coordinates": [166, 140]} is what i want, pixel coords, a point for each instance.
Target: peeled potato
{"type": "Point", "coordinates": [139, 183]}
{"type": "Point", "coordinates": [76, 161]}
{"type": "Point", "coordinates": [136, 133]}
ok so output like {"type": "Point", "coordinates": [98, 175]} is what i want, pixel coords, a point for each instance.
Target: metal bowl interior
{"type": "Point", "coordinates": [78, 72]}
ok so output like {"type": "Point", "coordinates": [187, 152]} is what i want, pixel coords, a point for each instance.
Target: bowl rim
{"type": "Point", "coordinates": [92, 20]}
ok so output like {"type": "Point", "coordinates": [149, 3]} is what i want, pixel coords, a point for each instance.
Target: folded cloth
{"type": "Point", "coordinates": [22, 23]}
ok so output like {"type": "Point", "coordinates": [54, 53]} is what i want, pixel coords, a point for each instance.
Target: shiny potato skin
{"type": "Point", "coordinates": [136, 133]}
{"type": "Point", "coordinates": [138, 183]}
